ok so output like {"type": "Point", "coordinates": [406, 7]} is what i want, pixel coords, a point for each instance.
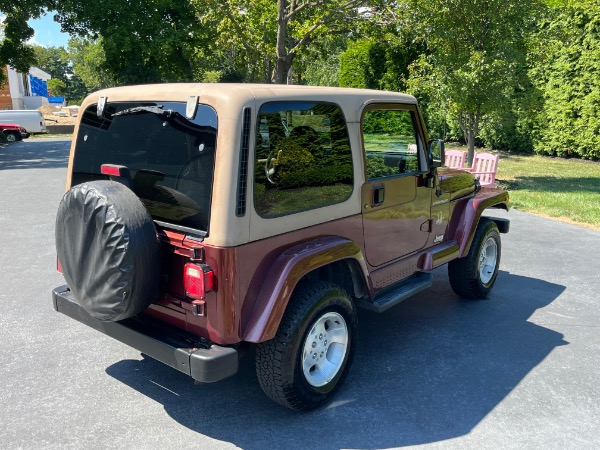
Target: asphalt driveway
{"type": "Point", "coordinates": [519, 370]}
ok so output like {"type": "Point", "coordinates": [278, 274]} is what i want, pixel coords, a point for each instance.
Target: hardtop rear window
{"type": "Point", "coordinates": [170, 158]}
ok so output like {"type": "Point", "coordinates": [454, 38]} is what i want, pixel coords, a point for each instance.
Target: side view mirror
{"type": "Point", "coordinates": [436, 153]}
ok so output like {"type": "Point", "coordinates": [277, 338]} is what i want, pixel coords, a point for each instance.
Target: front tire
{"type": "Point", "coordinates": [306, 362]}
{"type": "Point", "coordinates": [473, 276]}
{"type": "Point", "coordinates": [12, 136]}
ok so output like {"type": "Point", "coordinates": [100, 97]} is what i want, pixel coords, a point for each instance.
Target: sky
{"type": "Point", "coordinates": [47, 32]}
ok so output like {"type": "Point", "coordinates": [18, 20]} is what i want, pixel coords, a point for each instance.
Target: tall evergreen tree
{"type": "Point", "coordinates": [567, 72]}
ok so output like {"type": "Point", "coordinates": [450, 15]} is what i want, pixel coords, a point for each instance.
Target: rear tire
{"type": "Point", "coordinates": [306, 362]}
{"type": "Point", "coordinates": [474, 275]}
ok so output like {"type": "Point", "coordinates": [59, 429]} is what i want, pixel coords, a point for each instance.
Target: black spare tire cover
{"type": "Point", "coordinates": [108, 249]}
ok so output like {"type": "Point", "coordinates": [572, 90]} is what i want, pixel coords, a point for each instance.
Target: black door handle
{"type": "Point", "coordinates": [378, 195]}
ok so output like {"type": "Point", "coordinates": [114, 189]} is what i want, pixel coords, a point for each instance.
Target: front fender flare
{"type": "Point", "coordinates": [288, 268]}
{"type": "Point", "coordinates": [469, 219]}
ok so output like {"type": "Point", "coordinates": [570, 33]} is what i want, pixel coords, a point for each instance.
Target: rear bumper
{"type": "Point", "coordinates": [202, 360]}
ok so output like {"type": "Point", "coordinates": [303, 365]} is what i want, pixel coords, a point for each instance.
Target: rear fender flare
{"type": "Point", "coordinates": [469, 219]}
{"type": "Point", "coordinates": [285, 273]}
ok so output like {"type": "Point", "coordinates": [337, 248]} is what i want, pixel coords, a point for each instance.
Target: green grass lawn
{"type": "Point", "coordinates": [566, 189]}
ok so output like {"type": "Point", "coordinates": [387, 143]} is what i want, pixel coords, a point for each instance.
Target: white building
{"type": "Point", "coordinates": [24, 91]}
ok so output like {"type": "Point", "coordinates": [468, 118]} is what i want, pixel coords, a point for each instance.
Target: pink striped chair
{"type": "Point", "coordinates": [484, 168]}
{"type": "Point", "coordinates": [455, 159]}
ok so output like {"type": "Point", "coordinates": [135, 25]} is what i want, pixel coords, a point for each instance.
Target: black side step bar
{"type": "Point", "coordinates": [398, 292]}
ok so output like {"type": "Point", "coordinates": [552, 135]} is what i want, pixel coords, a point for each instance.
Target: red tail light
{"type": "Point", "coordinates": [112, 169]}
{"type": "Point", "coordinates": [198, 280]}
{"type": "Point", "coordinates": [58, 266]}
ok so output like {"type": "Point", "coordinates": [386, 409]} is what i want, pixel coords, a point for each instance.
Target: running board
{"type": "Point", "coordinates": [398, 293]}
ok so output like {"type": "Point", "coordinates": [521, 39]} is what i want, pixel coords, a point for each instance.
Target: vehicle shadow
{"type": "Point", "coordinates": [35, 154]}
{"type": "Point", "coordinates": [427, 370]}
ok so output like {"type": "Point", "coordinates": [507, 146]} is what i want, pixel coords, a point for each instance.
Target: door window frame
{"type": "Point", "coordinates": [419, 137]}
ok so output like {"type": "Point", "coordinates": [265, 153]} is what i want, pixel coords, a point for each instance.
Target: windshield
{"type": "Point", "coordinates": [170, 158]}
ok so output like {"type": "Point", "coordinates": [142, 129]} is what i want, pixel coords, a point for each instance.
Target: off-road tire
{"type": "Point", "coordinates": [464, 273]}
{"type": "Point", "coordinates": [279, 361]}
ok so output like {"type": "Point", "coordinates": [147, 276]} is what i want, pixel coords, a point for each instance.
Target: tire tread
{"type": "Point", "coordinates": [271, 368]}
{"type": "Point", "coordinates": [462, 272]}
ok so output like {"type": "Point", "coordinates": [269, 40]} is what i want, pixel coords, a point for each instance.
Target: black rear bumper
{"type": "Point", "coordinates": [201, 360]}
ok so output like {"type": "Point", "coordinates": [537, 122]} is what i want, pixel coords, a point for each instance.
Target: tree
{"type": "Point", "coordinates": [379, 63]}
{"type": "Point", "coordinates": [144, 41]}
{"type": "Point", "coordinates": [268, 36]}
{"type": "Point", "coordinates": [56, 87]}
{"type": "Point", "coordinates": [89, 63]}
{"type": "Point", "coordinates": [475, 50]}
{"type": "Point", "coordinates": [511, 127]}
{"type": "Point", "coordinates": [319, 65]}
{"type": "Point", "coordinates": [59, 64]}
{"type": "Point", "coordinates": [362, 65]}
{"type": "Point", "coordinates": [566, 69]}
{"type": "Point", "coordinates": [14, 50]}
{"type": "Point", "coordinates": [76, 90]}
{"type": "Point", "coordinates": [53, 60]}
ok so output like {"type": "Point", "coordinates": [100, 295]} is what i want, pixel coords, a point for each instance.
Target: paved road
{"type": "Point", "coordinates": [519, 370]}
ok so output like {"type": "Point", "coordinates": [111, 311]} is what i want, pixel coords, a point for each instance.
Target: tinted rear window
{"type": "Point", "coordinates": [171, 159]}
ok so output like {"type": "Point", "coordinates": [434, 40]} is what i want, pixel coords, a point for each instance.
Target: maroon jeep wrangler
{"type": "Point", "coordinates": [200, 219]}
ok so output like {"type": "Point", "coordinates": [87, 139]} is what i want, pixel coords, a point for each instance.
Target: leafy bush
{"type": "Point", "coordinates": [381, 64]}
{"type": "Point", "coordinates": [376, 167]}
{"type": "Point", "coordinates": [291, 159]}
{"type": "Point", "coordinates": [317, 176]}
{"type": "Point", "coordinates": [509, 131]}
{"type": "Point", "coordinates": [297, 167]}
{"type": "Point", "coordinates": [568, 75]}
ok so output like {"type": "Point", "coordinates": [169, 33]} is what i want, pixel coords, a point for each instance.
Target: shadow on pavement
{"type": "Point", "coordinates": [428, 370]}
{"type": "Point", "coordinates": [35, 154]}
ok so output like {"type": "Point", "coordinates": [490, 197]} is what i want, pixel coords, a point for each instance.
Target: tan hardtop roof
{"type": "Point", "coordinates": [236, 94]}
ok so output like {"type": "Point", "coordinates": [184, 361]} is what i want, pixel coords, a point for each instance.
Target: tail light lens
{"type": "Point", "coordinates": [58, 266]}
{"type": "Point", "coordinates": [198, 280]}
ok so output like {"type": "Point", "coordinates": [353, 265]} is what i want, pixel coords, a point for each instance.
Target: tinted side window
{"type": "Point", "coordinates": [390, 143]}
{"type": "Point", "coordinates": [303, 158]}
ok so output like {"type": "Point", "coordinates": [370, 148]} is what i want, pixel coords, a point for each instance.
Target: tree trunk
{"type": "Point", "coordinates": [281, 65]}
{"type": "Point", "coordinates": [469, 123]}
{"type": "Point", "coordinates": [471, 139]}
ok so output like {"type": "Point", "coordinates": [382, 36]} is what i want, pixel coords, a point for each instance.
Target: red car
{"type": "Point", "coordinates": [13, 132]}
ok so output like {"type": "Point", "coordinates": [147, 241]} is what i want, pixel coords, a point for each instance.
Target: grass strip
{"type": "Point", "coordinates": [565, 189]}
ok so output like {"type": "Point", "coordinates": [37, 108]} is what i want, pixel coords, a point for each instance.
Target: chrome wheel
{"type": "Point", "coordinates": [488, 258]}
{"type": "Point", "coordinates": [324, 349]}
{"type": "Point", "coordinates": [10, 137]}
